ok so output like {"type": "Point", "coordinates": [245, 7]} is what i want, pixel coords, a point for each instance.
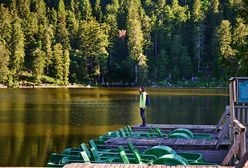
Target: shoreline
{"type": "Point", "coordinates": [47, 86]}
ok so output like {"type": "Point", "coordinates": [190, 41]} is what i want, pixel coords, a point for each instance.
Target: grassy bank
{"type": "Point", "coordinates": [28, 81]}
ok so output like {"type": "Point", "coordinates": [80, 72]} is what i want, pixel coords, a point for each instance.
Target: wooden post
{"type": "Point", "coordinates": [232, 110]}
{"type": "Point", "coordinates": [238, 130]}
{"type": "Point", "coordinates": [239, 146]}
{"type": "Point", "coordinates": [242, 140]}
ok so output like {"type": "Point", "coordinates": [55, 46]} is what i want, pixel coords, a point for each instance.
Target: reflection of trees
{"type": "Point", "coordinates": [5, 140]}
{"type": "Point", "coordinates": [18, 129]}
{"type": "Point", "coordinates": [97, 111]}
{"type": "Point", "coordinates": [32, 128]}
{"type": "Point", "coordinates": [188, 108]}
{"type": "Point", "coordinates": [54, 123]}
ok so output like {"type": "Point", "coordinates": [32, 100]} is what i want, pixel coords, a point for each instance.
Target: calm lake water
{"type": "Point", "coordinates": [36, 122]}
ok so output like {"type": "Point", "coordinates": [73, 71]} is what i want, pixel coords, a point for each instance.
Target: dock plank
{"type": "Point", "coordinates": [169, 127]}
{"type": "Point", "coordinates": [173, 142]}
{"type": "Point", "coordinates": [175, 126]}
{"type": "Point", "coordinates": [82, 165]}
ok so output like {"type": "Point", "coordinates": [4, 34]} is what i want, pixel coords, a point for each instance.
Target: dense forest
{"type": "Point", "coordinates": [122, 41]}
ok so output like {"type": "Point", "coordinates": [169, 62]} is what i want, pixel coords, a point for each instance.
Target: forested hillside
{"type": "Point", "coordinates": [124, 41]}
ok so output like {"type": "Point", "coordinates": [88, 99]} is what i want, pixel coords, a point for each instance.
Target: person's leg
{"type": "Point", "coordinates": [142, 114]}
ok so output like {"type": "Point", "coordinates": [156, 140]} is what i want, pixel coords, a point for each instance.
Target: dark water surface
{"type": "Point", "coordinates": [36, 122]}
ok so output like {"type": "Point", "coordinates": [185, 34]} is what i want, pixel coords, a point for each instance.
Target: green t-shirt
{"type": "Point", "coordinates": [142, 103]}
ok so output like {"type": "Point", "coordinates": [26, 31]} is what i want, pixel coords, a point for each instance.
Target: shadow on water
{"type": "Point", "coordinates": [36, 122]}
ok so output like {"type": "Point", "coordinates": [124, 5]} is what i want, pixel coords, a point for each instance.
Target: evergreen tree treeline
{"type": "Point", "coordinates": [127, 41]}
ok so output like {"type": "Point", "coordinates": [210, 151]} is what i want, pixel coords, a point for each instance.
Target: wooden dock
{"type": "Point", "coordinates": [213, 151]}
{"type": "Point", "coordinates": [82, 165]}
{"type": "Point", "coordinates": [227, 147]}
{"type": "Point", "coordinates": [217, 150]}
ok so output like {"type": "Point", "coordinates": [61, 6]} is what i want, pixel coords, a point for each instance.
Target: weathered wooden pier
{"type": "Point", "coordinates": [80, 165]}
{"type": "Point", "coordinates": [227, 148]}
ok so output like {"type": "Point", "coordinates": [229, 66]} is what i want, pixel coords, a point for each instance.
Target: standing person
{"type": "Point", "coordinates": [142, 104]}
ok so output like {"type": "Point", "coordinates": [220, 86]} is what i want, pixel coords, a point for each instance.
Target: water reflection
{"type": "Point", "coordinates": [36, 122]}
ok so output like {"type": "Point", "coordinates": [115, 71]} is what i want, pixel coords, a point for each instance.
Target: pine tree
{"type": "Point", "coordinates": [66, 63]}
{"type": "Point", "coordinates": [74, 8]}
{"type": "Point", "coordinates": [40, 8]}
{"type": "Point", "coordinates": [225, 40]}
{"type": "Point", "coordinates": [17, 51]}
{"type": "Point", "coordinates": [62, 33]}
{"type": "Point", "coordinates": [5, 26]}
{"type": "Point", "coordinates": [38, 64]}
{"type": "Point", "coordinates": [135, 37]}
{"type": "Point", "coordinates": [111, 19]}
{"type": "Point", "coordinates": [30, 27]}
{"type": "Point", "coordinates": [5, 45]}
{"type": "Point", "coordinates": [215, 6]}
{"type": "Point", "coordinates": [197, 16]}
{"type": "Point", "coordinates": [147, 27]}
{"type": "Point", "coordinates": [53, 19]}
{"type": "Point", "coordinates": [85, 9]}
{"type": "Point", "coordinates": [13, 8]}
{"type": "Point", "coordinates": [243, 10]}
{"type": "Point", "coordinates": [72, 26]}
{"type": "Point", "coordinates": [180, 13]}
{"type": "Point", "coordinates": [240, 36]}
{"type": "Point", "coordinates": [148, 6]}
{"type": "Point", "coordinates": [181, 64]}
{"type": "Point", "coordinates": [163, 65]}
{"type": "Point", "coordinates": [98, 11]}
{"type": "Point", "coordinates": [226, 50]}
{"type": "Point", "coordinates": [47, 48]}
{"type": "Point", "coordinates": [175, 56]}
{"type": "Point", "coordinates": [159, 8]}
{"type": "Point", "coordinates": [58, 62]}
{"type": "Point", "coordinates": [23, 8]}
{"type": "Point", "coordinates": [213, 19]}
{"type": "Point", "coordinates": [185, 63]}
{"type": "Point", "coordinates": [158, 12]}
{"type": "Point", "coordinates": [4, 63]}
{"type": "Point", "coordinates": [78, 67]}
{"type": "Point", "coordinates": [93, 45]}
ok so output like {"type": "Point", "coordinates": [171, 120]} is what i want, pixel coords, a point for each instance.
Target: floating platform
{"type": "Point", "coordinates": [82, 165]}
{"type": "Point", "coordinates": [204, 146]}
{"type": "Point", "coordinates": [214, 150]}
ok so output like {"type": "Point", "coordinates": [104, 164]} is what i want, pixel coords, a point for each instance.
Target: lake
{"type": "Point", "coordinates": [36, 122]}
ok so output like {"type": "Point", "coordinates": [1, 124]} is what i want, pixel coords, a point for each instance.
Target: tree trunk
{"type": "Point", "coordinates": [198, 48]}
{"type": "Point", "coordinates": [47, 70]}
{"type": "Point", "coordinates": [110, 57]}
{"type": "Point", "coordinates": [136, 73]}
{"type": "Point", "coordinates": [197, 44]}
{"type": "Point", "coordinates": [156, 45]}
